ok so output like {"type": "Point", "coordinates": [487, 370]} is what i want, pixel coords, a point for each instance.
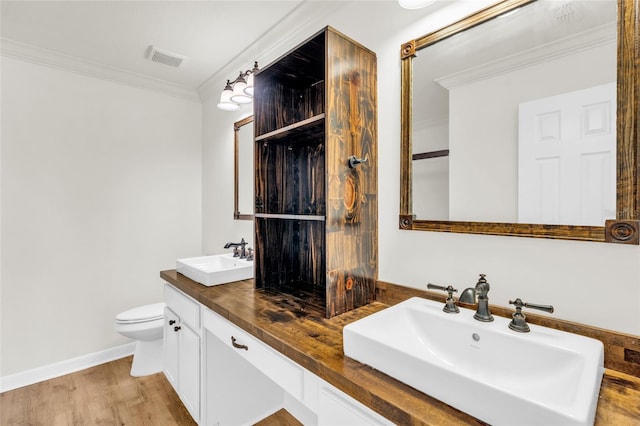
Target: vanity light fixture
{"type": "Point", "coordinates": [415, 4]}
{"type": "Point", "coordinates": [238, 91]}
{"type": "Point", "coordinates": [225, 99]}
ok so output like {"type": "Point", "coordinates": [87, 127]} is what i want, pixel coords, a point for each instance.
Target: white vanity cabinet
{"type": "Point", "coordinates": [335, 407]}
{"type": "Point", "coordinates": [246, 380]}
{"type": "Point", "coordinates": [182, 347]}
{"type": "Point", "coordinates": [226, 376]}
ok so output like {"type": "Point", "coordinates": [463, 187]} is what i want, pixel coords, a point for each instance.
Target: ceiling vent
{"type": "Point", "coordinates": [165, 57]}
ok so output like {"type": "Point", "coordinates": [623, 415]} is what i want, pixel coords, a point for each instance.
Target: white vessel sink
{"type": "Point", "coordinates": [216, 269]}
{"type": "Point", "coordinates": [544, 377]}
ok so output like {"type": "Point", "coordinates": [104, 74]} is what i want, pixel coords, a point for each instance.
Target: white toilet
{"type": "Point", "coordinates": [145, 325]}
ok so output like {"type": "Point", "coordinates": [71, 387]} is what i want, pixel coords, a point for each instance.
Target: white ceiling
{"type": "Point", "coordinates": [214, 35]}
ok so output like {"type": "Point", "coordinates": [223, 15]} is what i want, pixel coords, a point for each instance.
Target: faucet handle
{"type": "Point", "coordinates": [482, 286]}
{"type": "Point", "coordinates": [519, 320]}
{"type": "Point", "coordinates": [450, 304]}
{"type": "Point", "coordinates": [520, 304]}
{"type": "Point", "coordinates": [440, 287]}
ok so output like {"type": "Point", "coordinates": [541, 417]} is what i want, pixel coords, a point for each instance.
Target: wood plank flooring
{"type": "Point", "coordinates": [102, 395]}
{"type": "Point", "coordinates": [280, 418]}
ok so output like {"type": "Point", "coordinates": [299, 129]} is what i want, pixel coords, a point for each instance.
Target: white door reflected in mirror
{"type": "Point", "coordinates": [567, 158]}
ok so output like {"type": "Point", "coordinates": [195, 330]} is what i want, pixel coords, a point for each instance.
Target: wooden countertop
{"type": "Point", "coordinates": [303, 334]}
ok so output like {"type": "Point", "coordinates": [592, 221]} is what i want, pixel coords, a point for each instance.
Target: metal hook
{"type": "Point", "coordinates": [354, 161]}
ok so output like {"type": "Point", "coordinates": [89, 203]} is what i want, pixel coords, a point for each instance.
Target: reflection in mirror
{"type": "Point", "coordinates": [509, 120]}
{"type": "Point", "coordinates": [525, 114]}
{"type": "Point", "coordinates": [243, 169]}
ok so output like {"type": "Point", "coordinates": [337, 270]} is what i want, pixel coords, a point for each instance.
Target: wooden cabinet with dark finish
{"type": "Point", "coordinates": [315, 215]}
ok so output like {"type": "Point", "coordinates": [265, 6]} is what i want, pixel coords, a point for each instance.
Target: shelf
{"type": "Point", "coordinates": [431, 154]}
{"type": "Point", "coordinates": [307, 129]}
{"type": "Point", "coordinates": [300, 297]}
{"type": "Point", "coordinates": [310, 217]}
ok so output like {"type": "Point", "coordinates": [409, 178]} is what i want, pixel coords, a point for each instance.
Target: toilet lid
{"type": "Point", "coordinates": [142, 313]}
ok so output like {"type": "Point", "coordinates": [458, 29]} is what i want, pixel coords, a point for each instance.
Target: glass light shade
{"type": "Point", "coordinates": [238, 95]}
{"type": "Point", "coordinates": [415, 4]}
{"type": "Point", "coordinates": [249, 89]}
{"type": "Point", "coordinates": [225, 100]}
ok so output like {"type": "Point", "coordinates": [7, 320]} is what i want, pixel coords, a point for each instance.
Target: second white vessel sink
{"type": "Point", "coordinates": [215, 269]}
{"type": "Point", "coordinates": [544, 377]}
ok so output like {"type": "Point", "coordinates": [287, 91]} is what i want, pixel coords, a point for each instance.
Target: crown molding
{"type": "Point", "coordinates": [302, 22]}
{"type": "Point", "coordinates": [597, 36]}
{"type": "Point", "coordinates": [431, 120]}
{"type": "Point", "coordinates": [54, 59]}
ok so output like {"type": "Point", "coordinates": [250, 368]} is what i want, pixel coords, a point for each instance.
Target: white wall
{"type": "Point", "coordinates": [218, 225]}
{"type": "Point", "coordinates": [430, 177]}
{"type": "Point", "coordinates": [484, 173]}
{"type": "Point", "coordinates": [101, 189]}
{"type": "Point", "coordinates": [591, 283]}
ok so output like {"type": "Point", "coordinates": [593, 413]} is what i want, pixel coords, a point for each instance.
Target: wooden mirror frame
{"type": "Point", "coordinates": [625, 228]}
{"type": "Point", "coordinates": [236, 168]}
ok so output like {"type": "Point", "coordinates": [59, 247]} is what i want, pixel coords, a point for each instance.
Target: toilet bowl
{"type": "Point", "coordinates": [145, 325]}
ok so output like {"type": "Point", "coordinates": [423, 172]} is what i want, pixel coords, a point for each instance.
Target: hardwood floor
{"type": "Point", "coordinates": [102, 395]}
{"type": "Point", "coordinates": [279, 418]}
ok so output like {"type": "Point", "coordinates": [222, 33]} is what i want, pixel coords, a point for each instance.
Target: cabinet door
{"type": "Point", "coordinates": [171, 347]}
{"type": "Point", "coordinates": [189, 370]}
{"type": "Point", "coordinates": [337, 408]}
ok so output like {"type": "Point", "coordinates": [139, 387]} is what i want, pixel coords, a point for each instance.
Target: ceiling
{"type": "Point", "coordinates": [214, 35]}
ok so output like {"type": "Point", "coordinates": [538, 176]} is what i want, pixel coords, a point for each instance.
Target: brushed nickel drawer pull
{"type": "Point", "coordinates": [237, 345]}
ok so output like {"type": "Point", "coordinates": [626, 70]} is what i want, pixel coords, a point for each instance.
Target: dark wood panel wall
{"type": "Point", "coordinates": [283, 103]}
{"type": "Point", "coordinates": [290, 260]}
{"type": "Point", "coordinates": [297, 184]}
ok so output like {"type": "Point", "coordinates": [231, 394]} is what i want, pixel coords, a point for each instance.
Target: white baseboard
{"type": "Point", "coordinates": [46, 372]}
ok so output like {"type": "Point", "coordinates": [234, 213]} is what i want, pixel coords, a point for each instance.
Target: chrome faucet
{"type": "Point", "coordinates": [482, 309]}
{"type": "Point", "coordinates": [242, 244]}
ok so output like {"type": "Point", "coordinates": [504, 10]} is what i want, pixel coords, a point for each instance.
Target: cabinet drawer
{"type": "Point", "coordinates": [185, 307]}
{"type": "Point", "coordinates": [272, 364]}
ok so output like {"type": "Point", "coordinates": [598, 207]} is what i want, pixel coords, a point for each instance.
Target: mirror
{"type": "Point", "coordinates": [494, 125]}
{"type": "Point", "coordinates": [243, 169]}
